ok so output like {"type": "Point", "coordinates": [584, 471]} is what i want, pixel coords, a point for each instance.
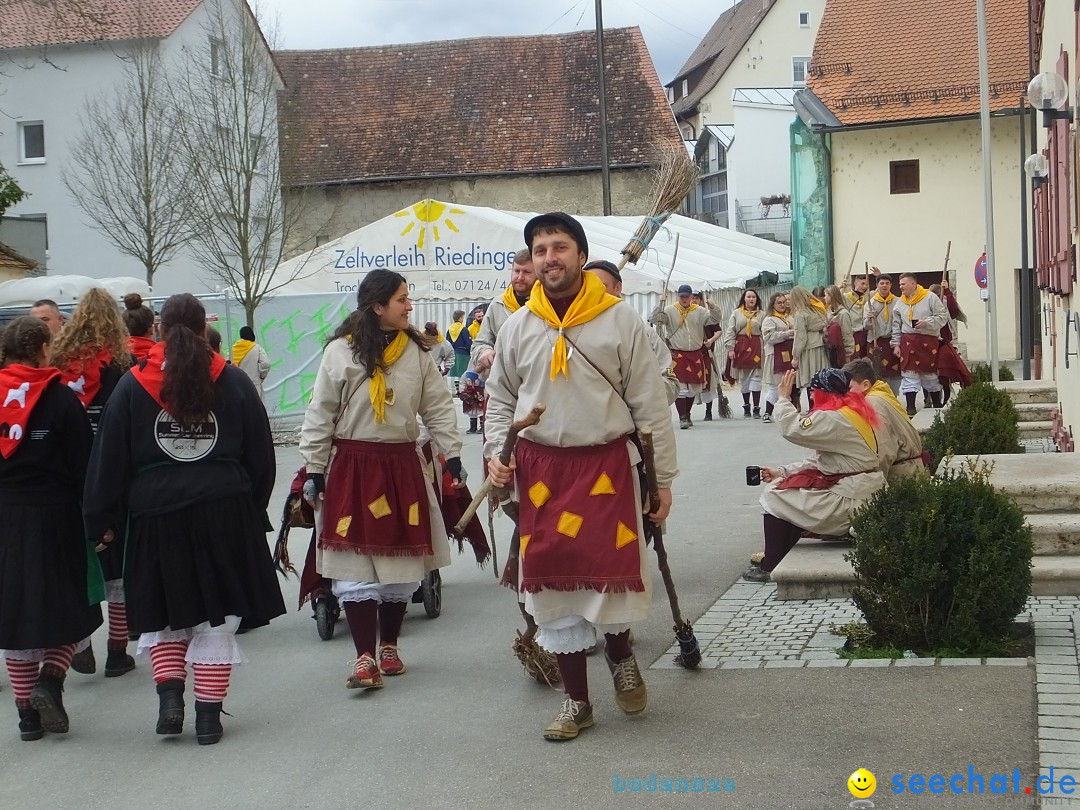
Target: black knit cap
{"type": "Point", "coordinates": [557, 218]}
{"type": "Point", "coordinates": [831, 380]}
{"type": "Point", "coordinates": [604, 264]}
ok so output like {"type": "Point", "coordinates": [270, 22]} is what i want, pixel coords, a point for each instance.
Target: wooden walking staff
{"type": "Point", "coordinates": [945, 269]}
{"type": "Point", "coordinates": [507, 452]}
{"type": "Point", "coordinates": [851, 264]}
{"type": "Point", "coordinates": [689, 650]}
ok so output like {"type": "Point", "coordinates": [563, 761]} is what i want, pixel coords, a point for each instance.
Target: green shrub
{"type": "Point", "coordinates": [942, 561]}
{"type": "Point", "coordinates": [980, 372]}
{"type": "Point", "coordinates": [981, 420]}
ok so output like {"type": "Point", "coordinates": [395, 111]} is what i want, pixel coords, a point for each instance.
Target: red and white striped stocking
{"type": "Point", "coordinates": [167, 661]}
{"type": "Point", "coordinates": [23, 676]}
{"type": "Point", "coordinates": [211, 681]}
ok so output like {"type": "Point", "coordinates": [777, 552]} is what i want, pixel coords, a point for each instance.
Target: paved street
{"type": "Point", "coordinates": [463, 725]}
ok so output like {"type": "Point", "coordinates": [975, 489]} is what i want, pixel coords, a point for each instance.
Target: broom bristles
{"type": "Point", "coordinates": [674, 175]}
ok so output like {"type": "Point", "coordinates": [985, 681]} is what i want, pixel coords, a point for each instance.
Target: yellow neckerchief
{"type": "Point", "coordinates": [862, 426]}
{"type": "Point", "coordinates": [857, 301]}
{"type": "Point", "coordinates": [474, 329]}
{"type": "Point", "coordinates": [240, 350]}
{"type": "Point", "coordinates": [684, 312]}
{"type": "Point", "coordinates": [438, 336]}
{"type": "Point", "coordinates": [886, 302]}
{"type": "Point", "coordinates": [510, 300]}
{"type": "Point", "coordinates": [920, 293]}
{"type": "Point", "coordinates": [455, 330]}
{"type": "Point", "coordinates": [818, 305]}
{"type": "Point", "coordinates": [749, 319]}
{"type": "Point", "coordinates": [786, 318]}
{"type": "Point", "coordinates": [377, 387]}
{"type": "Point", "coordinates": [882, 391]}
{"type": "Point", "coordinates": [591, 300]}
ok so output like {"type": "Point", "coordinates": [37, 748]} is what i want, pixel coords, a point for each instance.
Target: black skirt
{"type": "Point", "coordinates": [112, 559]}
{"type": "Point", "coordinates": [200, 564]}
{"type": "Point", "coordinates": [43, 574]}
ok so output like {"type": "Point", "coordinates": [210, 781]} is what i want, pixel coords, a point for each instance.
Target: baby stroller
{"type": "Point", "coordinates": [317, 589]}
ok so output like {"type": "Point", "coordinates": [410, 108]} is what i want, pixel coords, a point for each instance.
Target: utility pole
{"type": "Point", "coordinates": [605, 172]}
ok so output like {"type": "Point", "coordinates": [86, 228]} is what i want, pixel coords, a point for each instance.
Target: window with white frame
{"type": "Point", "coordinates": [804, 19]}
{"type": "Point", "coordinates": [670, 93]}
{"type": "Point", "coordinates": [800, 69]}
{"type": "Point", "coordinates": [685, 88]}
{"type": "Point", "coordinates": [31, 142]}
{"type": "Point", "coordinates": [217, 57]}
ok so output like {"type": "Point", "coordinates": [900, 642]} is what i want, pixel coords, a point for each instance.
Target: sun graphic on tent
{"type": "Point", "coordinates": [428, 213]}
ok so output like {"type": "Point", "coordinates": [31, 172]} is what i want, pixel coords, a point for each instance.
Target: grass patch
{"type": "Point", "coordinates": [860, 642]}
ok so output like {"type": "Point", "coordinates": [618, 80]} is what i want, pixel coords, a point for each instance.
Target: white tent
{"type": "Point", "coordinates": [449, 251]}
{"type": "Point", "coordinates": [22, 292]}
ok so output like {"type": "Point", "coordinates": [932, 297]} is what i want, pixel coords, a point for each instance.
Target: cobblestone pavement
{"type": "Point", "coordinates": [748, 628]}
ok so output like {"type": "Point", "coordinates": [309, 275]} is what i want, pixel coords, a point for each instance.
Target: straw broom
{"type": "Point", "coordinates": [674, 177]}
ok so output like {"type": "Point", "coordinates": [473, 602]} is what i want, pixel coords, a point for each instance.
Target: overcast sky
{"type": "Point", "coordinates": [672, 29]}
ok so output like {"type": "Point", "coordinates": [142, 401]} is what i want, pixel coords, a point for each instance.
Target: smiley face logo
{"type": "Point", "coordinates": [862, 784]}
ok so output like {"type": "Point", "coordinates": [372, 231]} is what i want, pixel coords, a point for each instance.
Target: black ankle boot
{"type": "Point", "coordinates": [708, 411]}
{"type": "Point", "coordinates": [935, 399]}
{"type": "Point", "coordinates": [30, 724]}
{"type": "Point", "coordinates": [171, 707]}
{"type": "Point", "coordinates": [746, 411]}
{"type": "Point", "coordinates": [910, 397]}
{"type": "Point", "coordinates": [208, 722]}
{"type": "Point", "coordinates": [757, 412]}
{"type": "Point", "coordinates": [48, 699]}
{"type": "Point", "coordinates": [84, 662]}
{"type": "Point", "coordinates": [118, 662]}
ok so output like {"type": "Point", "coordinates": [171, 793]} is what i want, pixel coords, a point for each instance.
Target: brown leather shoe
{"type": "Point", "coordinates": [630, 692]}
{"type": "Point", "coordinates": [574, 716]}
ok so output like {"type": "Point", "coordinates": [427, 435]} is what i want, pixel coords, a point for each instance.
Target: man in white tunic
{"type": "Point", "coordinates": [582, 554]}
{"type": "Point", "coordinates": [522, 278]}
{"type": "Point", "coordinates": [684, 324]}
{"type": "Point", "coordinates": [916, 333]}
{"type": "Point", "coordinates": [899, 444]}
{"type": "Point", "coordinates": [877, 321]}
{"type": "Point", "coordinates": [819, 493]}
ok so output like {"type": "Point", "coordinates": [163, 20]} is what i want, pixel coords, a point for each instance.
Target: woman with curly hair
{"type": "Point", "coordinates": [44, 449]}
{"type": "Point", "coordinates": [139, 320]}
{"type": "Point", "coordinates": [380, 528]}
{"type": "Point", "coordinates": [93, 353]}
{"type": "Point", "coordinates": [184, 457]}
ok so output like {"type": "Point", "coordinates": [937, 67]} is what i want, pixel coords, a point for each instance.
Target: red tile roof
{"type": "Point", "coordinates": [495, 105]}
{"type": "Point", "coordinates": [904, 60]}
{"type": "Point", "coordinates": [35, 24]}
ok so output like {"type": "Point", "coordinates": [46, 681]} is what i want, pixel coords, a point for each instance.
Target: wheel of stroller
{"type": "Point", "coordinates": [325, 618]}
{"type": "Point", "coordinates": [432, 588]}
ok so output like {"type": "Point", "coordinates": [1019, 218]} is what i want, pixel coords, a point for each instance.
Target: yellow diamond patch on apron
{"type": "Point", "coordinates": [539, 494]}
{"type": "Point", "coordinates": [380, 507]}
{"type": "Point", "coordinates": [570, 524]}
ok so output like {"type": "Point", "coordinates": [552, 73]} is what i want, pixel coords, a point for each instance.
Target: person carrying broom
{"type": "Point", "coordinates": [583, 561]}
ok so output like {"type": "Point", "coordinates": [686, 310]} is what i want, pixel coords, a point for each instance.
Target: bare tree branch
{"type": "Point", "coordinates": [129, 175]}
{"type": "Point", "coordinates": [229, 137]}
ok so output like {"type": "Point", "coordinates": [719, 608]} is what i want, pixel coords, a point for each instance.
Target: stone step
{"type": "Point", "coordinates": [1038, 482]}
{"type": "Point", "coordinates": [1030, 391]}
{"type": "Point", "coordinates": [817, 570]}
{"type": "Point", "coordinates": [1036, 430]}
{"type": "Point", "coordinates": [1035, 411]}
{"type": "Point", "coordinates": [1055, 533]}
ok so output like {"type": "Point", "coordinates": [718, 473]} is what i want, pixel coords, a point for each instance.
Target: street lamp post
{"type": "Point", "coordinates": [988, 188]}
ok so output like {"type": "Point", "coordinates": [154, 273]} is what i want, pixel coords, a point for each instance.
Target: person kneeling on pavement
{"type": "Point", "coordinates": [818, 495]}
